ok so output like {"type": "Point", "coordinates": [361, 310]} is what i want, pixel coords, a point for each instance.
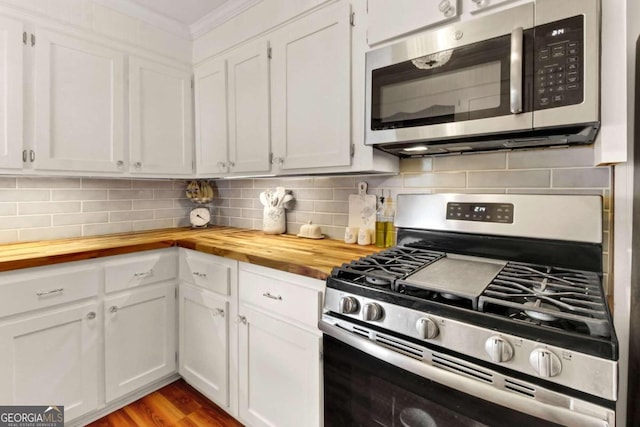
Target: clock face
{"type": "Point", "coordinates": [200, 217]}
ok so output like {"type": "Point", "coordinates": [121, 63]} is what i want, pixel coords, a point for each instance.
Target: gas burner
{"type": "Point", "coordinates": [540, 311]}
{"type": "Point", "coordinates": [572, 295]}
{"type": "Point", "coordinates": [377, 281]}
{"type": "Point", "coordinates": [449, 296]}
{"type": "Point", "coordinates": [384, 268]}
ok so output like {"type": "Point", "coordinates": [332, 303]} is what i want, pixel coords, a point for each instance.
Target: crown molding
{"type": "Point", "coordinates": [134, 10]}
{"type": "Point", "coordinates": [219, 16]}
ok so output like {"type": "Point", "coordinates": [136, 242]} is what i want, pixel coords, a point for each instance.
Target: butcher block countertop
{"type": "Point", "coordinates": [308, 257]}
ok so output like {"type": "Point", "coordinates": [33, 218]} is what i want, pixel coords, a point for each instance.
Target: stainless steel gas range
{"type": "Point", "coordinates": [490, 311]}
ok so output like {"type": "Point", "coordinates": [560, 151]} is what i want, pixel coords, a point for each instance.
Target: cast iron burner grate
{"type": "Point", "coordinates": [383, 268]}
{"type": "Point", "coordinates": [548, 296]}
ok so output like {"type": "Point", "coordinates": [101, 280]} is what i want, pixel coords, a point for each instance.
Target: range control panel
{"type": "Point", "coordinates": [559, 63]}
{"type": "Point", "coordinates": [483, 212]}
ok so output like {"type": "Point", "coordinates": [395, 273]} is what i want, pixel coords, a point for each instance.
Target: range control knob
{"type": "Point", "coordinates": [498, 349]}
{"type": "Point", "coordinates": [427, 328]}
{"type": "Point", "coordinates": [349, 305]}
{"type": "Point", "coordinates": [545, 363]}
{"type": "Point", "coordinates": [372, 311]}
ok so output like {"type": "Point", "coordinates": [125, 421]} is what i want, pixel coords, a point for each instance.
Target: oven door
{"type": "Point", "coordinates": [471, 78]}
{"type": "Point", "coordinates": [368, 384]}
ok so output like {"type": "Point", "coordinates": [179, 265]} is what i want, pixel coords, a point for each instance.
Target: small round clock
{"type": "Point", "coordinates": [199, 217]}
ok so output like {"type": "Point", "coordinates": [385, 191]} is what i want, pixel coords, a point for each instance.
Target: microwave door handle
{"type": "Point", "coordinates": [516, 70]}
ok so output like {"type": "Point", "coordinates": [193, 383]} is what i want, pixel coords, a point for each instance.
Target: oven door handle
{"type": "Point", "coordinates": [515, 93]}
{"type": "Point", "coordinates": [546, 411]}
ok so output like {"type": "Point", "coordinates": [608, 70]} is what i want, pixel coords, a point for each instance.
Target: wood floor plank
{"type": "Point", "coordinates": [177, 404]}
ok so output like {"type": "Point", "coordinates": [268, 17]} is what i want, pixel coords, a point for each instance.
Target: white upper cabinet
{"type": "Point", "coordinates": [11, 114]}
{"type": "Point", "coordinates": [212, 134]}
{"type": "Point", "coordinates": [311, 86]}
{"type": "Point", "coordinates": [389, 19]}
{"type": "Point", "coordinates": [79, 105]}
{"type": "Point", "coordinates": [160, 126]}
{"type": "Point", "coordinates": [248, 91]}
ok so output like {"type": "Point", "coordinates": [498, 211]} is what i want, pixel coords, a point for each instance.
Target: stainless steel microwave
{"type": "Point", "coordinates": [526, 76]}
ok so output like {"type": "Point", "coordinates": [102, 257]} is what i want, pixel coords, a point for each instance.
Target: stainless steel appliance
{"type": "Point", "coordinates": [489, 311]}
{"type": "Point", "coordinates": [527, 76]}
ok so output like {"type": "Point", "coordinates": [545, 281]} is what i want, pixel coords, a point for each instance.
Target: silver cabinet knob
{"type": "Point", "coordinates": [545, 363]}
{"type": "Point", "coordinates": [447, 9]}
{"type": "Point", "coordinates": [222, 165]}
{"type": "Point", "coordinates": [277, 161]}
{"type": "Point", "coordinates": [498, 349]}
{"type": "Point", "coordinates": [219, 312]}
{"type": "Point", "coordinates": [427, 328]}
{"type": "Point", "coordinates": [113, 309]}
{"type": "Point", "coordinates": [91, 315]}
{"type": "Point", "coordinates": [242, 319]}
{"type": "Point", "coordinates": [120, 163]}
{"type": "Point", "coordinates": [349, 305]}
{"type": "Point", "coordinates": [231, 164]}
{"type": "Point", "coordinates": [137, 165]}
{"type": "Point", "coordinates": [372, 311]}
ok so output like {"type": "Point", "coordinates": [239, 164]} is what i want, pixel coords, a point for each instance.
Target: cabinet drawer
{"type": "Point", "coordinates": [130, 271]}
{"type": "Point", "coordinates": [280, 297]}
{"type": "Point", "coordinates": [42, 287]}
{"type": "Point", "coordinates": [207, 271]}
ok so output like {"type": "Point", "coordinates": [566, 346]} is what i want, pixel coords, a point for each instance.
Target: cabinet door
{"type": "Point", "coordinates": [52, 359]}
{"type": "Point", "coordinates": [388, 19]}
{"type": "Point", "coordinates": [11, 116]}
{"type": "Point", "coordinates": [160, 126]}
{"type": "Point", "coordinates": [212, 138]}
{"type": "Point", "coordinates": [204, 343]}
{"type": "Point", "coordinates": [280, 374]}
{"type": "Point", "coordinates": [311, 91]}
{"type": "Point", "coordinates": [249, 109]}
{"type": "Point", "coordinates": [140, 341]}
{"type": "Point", "coordinates": [79, 105]}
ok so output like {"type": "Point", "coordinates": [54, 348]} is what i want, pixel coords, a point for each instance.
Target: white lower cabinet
{"type": "Point", "coordinates": [140, 338]}
{"type": "Point", "coordinates": [51, 358]}
{"type": "Point", "coordinates": [279, 348]}
{"type": "Point", "coordinates": [279, 372]}
{"type": "Point", "coordinates": [204, 343]}
{"type": "Point", "coordinates": [62, 338]}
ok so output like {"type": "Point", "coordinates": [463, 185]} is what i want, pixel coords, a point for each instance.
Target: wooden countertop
{"type": "Point", "coordinates": [311, 258]}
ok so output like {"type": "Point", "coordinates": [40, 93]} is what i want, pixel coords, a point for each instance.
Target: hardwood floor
{"type": "Point", "coordinates": [177, 404]}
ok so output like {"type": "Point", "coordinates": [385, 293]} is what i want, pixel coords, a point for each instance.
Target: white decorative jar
{"type": "Point", "coordinates": [274, 220]}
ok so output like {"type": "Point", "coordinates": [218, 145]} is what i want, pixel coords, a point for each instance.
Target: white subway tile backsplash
{"type": "Point", "coordinates": [59, 195]}
{"type": "Point", "coordinates": [106, 183]}
{"type": "Point", "coordinates": [482, 161]}
{"type": "Point", "coordinates": [171, 213]}
{"type": "Point", "coordinates": [333, 182]}
{"type": "Point", "coordinates": [25, 195]}
{"type": "Point", "coordinates": [7, 182]}
{"type": "Point", "coordinates": [420, 164]}
{"type": "Point", "coordinates": [46, 182]}
{"type": "Point", "coordinates": [166, 185]}
{"type": "Point", "coordinates": [27, 221]}
{"type": "Point", "coordinates": [134, 194]}
{"type": "Point", "coordinates": [252, 213]}
{"type": "Point", "coordinates": [581, 177]}
{"type": "Point", "coordinates": [332, 207]}
{"type": "Point", "coordinates": [552, 158]}
{"type": "Point", "coordinates": [510, 179]}
{"type": "Point", "coordinates": [130, 216]}
{"type": "Point", "coordinates": [80, 218]}
{"type": "Point", "coordinates": [166, 194]}
{"type": "Point", "coordinates": [8, 236]}
{"type": "Point", "coordinates": [436, 180]}
{"type": "Point", "coordinates": [317, 194]}
{"type": "Point", "coordinates": [27, 234]}
{"type": "Point", "coordinates": [99, 229]}
{"type": "Point", "coordinates": [8, 209]}
{"type": "Point", "coordinates": [154, 224]}
{"type": "Point", "coordinates": [99, 206]}
{"type": "Point", "coordinates": [155, 204]}
{"type": "Point", "coordinates": [32, 208]}
{"type": "Point", "coordinates": [242, 203]}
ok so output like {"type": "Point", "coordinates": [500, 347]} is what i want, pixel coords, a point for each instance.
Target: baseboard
{"type": "Point", "coordinates": [122, 402]}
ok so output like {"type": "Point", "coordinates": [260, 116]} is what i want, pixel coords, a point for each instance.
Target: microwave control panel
{"type": "Point", "coordinates": [559, 63]}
